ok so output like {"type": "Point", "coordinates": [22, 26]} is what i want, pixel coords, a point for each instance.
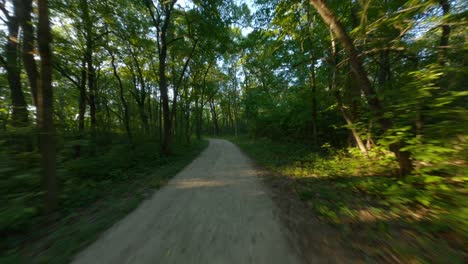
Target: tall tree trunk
{"type": "Point", "coordinates": [28, 46]}
{"type": "Point", "coordinates": [202, 104]}
{"type": "Point", "coordinates": [167, 8]}
{"type": "Point", "coordinates": [403, 157]}
{"type": "Point", "coordinates": [91, 72]}
{"type": "Point", "coordinates": [235, 106]}
{"type": "Point", "coordinates": [163, 87]}
{"type": "Point", "coordinates": [214, 117]}
{"type": "Point", "coordinates": [167, 128]}
{"type": "Point", "coordinates": [349, 118]}
{"type": "Point", "coordinates": [188, 133]}
{"type": "Point", "coordinates": [178, 83]}
{"type": "Point", "coordinates": [141, 93]}
{"type": "Point", "coordinates": [82, 99]}
{"type": "Point", "coordinates": [160, 119]}
{"type": "Point", "coordinates": [19, 115]}
{"type": "Point", "coordinates": [81, 107]}
{"type": "Point", "coordinates": [198, 119]}
{"type": "Point", "coordinates": [92, 92]}
{"type": "Point", "coordinates": [351, 126]}
{"type": "Point", "coordinates": [444, 39]}
{"type": "Point", "coordinates": [313, 84]}
{"type": "Point", "coordinates": [122, 98]}
{"type": "Point", "coordinates": [45, 110]}
{"type": "Point", "coordinates": [230, 120]}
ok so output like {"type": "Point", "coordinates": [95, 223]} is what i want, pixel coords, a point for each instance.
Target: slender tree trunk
{"type": "Point", "coordinates": [214, 117]}
{"type": "Point", "coordinates": [142, 93]}
{"type": "Point", "coordinates": [403, 157]}
{"type": "Point", "coordinates": [122, 98]}
{"type": "Point", "coordinates": [187, 123]}
{"type": "Point", "coordinates": [197, 118]}
{"type": "Point", "coordinates": [28, 46]}
{"type": "Point", "coordinates": [347, 117]}
{"type": "Point", "coordinates": [150, 112]}
{"type": "Point", "coordinates": [314, 99]}
{"type": "Point", "coordinates": [90, 67]}
{"type": "Point", "coordinates": [92, 92]}
{"type": "Point", "coordinates": [81, 107]}
{"type": "Point", "coordinates": [444, 39]}
{"type": "Point", "coordinates": [236, 116]}
{"type": "Point", "coordinates": [351, 126]}
{"type": "Point", "coordinates": [369, 136]}
{"type": "Point", "coordinates": [167, 136]}
{"type": "Point", "coordinates": [160, 120]}
{"type": "Point", "coordinates": [82, 99]}
{"type": "Point", "coordinates": [230, 119]}
{"type": "Point", "coordinates": [19, 115]}
{"type": "Point", "coordinates": [45, 110]}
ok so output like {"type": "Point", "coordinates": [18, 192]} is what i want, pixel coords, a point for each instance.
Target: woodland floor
{"type": "Point", "coordinates": [356, 217]}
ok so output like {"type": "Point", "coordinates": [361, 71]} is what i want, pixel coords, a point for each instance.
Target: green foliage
{"type": "Point", "coordinates": [89, 203]}
{"type": "Point", "coordinates": [359, 196]}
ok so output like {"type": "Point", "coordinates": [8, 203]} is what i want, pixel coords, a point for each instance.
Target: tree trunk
{"type": "Point", "coordinates": [142, 93]}
{"type": "Point", "coordinates": [214, 116]}
{"type": "Point", "coordinates": [45, 110]}
{"type": "Point", "coordinates": [198, 110]}
{"type": "Point", "coordinates": [89, 63]}
{"type": "Point", "coordinates": [403, 157]}
{"type": "Point", "coordinates": [313, 84]}
{"type": "Point", "coordinates": [92, 92]}
{"type": "Point", "coordinates": [19, 115]}
{"type": "Point", "coordinates": [236, 116]}
{"type": "Point", "coordinates": [82, 99]}
{"type": "Point", "coordinates": [444, 39]}
{"type": "Point", "coordinates": [163, 87]}
{"type": "Point", "coordinates": [28, 46]}
{"type": "Point", "coordinates": [81, 107]}
{"type": "Point", "coordinates": [122, 98]}
{"type": "Point", "coordinates": [160, 119]}
{"type": "Point", "coordinates": [347, 117]}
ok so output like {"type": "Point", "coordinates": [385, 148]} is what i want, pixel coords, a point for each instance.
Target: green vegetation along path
{"type": "Point", "coordinates": [214, 211]}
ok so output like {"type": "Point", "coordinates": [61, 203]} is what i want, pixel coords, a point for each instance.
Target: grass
{"type": "Point", "coordinates": [386, 219]}
{"type": "Point", "coordinates": [97, 192]}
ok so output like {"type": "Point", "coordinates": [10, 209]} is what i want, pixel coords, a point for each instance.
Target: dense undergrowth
{"type": "Point", "coordinates": [95, 191]}
{"type": "Point", "coordinates": [422, 218]}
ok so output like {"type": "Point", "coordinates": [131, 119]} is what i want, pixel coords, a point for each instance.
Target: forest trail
{"type": "Point", "coordinates": [215, 211]}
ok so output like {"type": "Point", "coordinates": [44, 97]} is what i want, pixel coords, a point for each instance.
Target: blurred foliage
{"type": "Point", "coordinates": [422, 218]}
{"type": "Point", "coordinates": [118, 170]}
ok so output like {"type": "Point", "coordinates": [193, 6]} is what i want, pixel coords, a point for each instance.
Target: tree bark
{"type": "Point", "coordinates": [19, 115]}
{"type": "Point", "coordinates": [45, 110]}
{"type": "Point", "coordinates": [403, 157]}
{"type": "Point", "coordinates": [28, 45]}
{"type": "Point", "coordinates": [162, 42]}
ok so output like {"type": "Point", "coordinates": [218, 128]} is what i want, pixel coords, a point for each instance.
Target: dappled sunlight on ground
{"type": "Point", "coordinates": [197, 183]}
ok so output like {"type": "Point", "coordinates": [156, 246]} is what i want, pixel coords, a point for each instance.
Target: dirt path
{"type": "Point", "coordinates": [215, 211]}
